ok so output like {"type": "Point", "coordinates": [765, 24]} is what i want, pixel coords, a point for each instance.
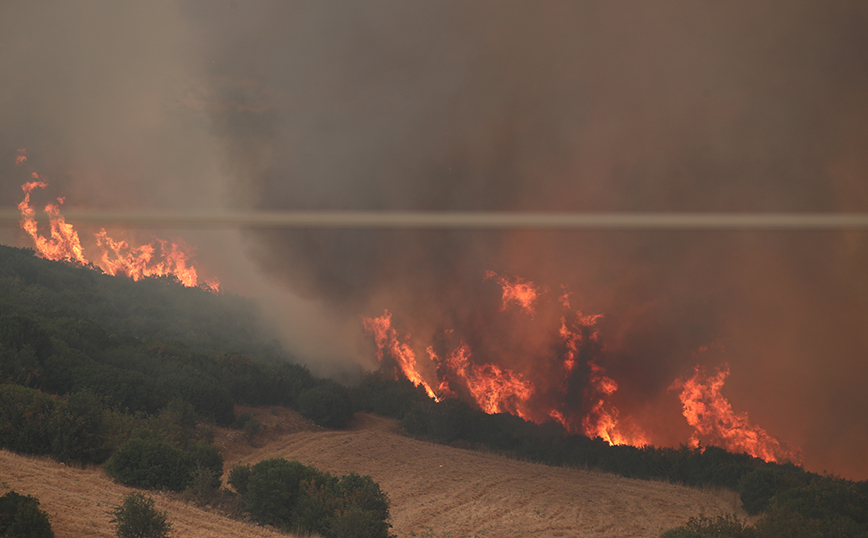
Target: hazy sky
{"type": "Point", "coordinates": [495, 105]}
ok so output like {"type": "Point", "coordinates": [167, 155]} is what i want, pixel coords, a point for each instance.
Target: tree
{"type": "Point", "coordinates": [151, 464]}
{"type": "Point", "coordinates": [138, 518]}
{"type": "Point", "coordinates": [20, 516]}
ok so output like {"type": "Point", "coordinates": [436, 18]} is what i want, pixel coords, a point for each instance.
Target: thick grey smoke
{"type": "Point", "coordinates": [498, 105]}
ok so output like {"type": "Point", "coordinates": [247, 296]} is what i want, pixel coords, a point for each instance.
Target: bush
{"type": "Point", "coordinates": [728, 526]}
{"type": "Point", "coordinates": [26, 420]}
{"type": "Point", "coordinates": [758, 487]}
{"type": "Point", "coordinates": [20, 517]}
{"type": "Point", "coordinates": [825, 499]}
{"type": "Point", "coordinates": [327, 404]}
{"type": "Point", "coordinates": [274, 489]}
{"type": "Point", "coordinates": [239, 478]}
{"type": "Point", "coordinates": [138, 518]}
{"type": "Point", "coordinates": [81, 430]}
{"type": "Point", "coordinates": [298, 498]}
{"type": "Point", "coordinates": [150, 464]}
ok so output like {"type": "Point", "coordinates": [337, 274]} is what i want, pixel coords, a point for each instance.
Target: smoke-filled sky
{"type": "Point", "coordinates": [491, 105]}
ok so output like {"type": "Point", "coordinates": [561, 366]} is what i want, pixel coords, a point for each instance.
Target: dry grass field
{"type": "Point", "coordinates": [78, 501]}
{"type": "Point", "coordinates": [442, 491]}
{"type": "Point", "coordinates": [436, 491]}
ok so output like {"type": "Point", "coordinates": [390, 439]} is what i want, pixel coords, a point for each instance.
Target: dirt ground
{"type": "Point", "coordinates": [439, 491]}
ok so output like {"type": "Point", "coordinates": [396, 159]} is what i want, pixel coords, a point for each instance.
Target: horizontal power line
{"type": "Point", "coordinates": [460, 220]}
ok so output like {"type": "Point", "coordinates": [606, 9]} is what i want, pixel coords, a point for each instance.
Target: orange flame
{"type": "Point", "coordinates": [517, 290]}
{"type": "Point", "coordinates": [497, 389]}
{"type": "Point", "coordinates": [494, 389]}
{"type": "Point", "coordinates": [600, 416]}
{"type": "Point", "coordinates": [601, 420]}
{"type": "Point", "coordinates": [387, 341]}
{"type": "Point", "coordinates": [715, 423]}
{"type": "Point", "coordinates": [63, 242]}
{"type": "Point", "coordinates": [117, 257]}
{"type": "Point", "coordinates": [21, 158]}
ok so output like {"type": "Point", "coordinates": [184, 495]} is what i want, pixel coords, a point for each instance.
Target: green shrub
{"type": "Point", "coordinates": [301, 499]}
{"type": "Point", "coordinates": [249, 424]}
{"type": "Point", "coordinates": [728, 526]}
{"type": "Point", "coordinates": [825, 499]}
{"type": "Point", "coordinates": [81, 430]}
{"type": "Point", "coordinates": [21, 517]}
{"type": "Point", "coordinates": [327, 404]}
{"type": "Point", "coordinates": [150, 464]}
{"type": "Point", "coordinates": [26, 420]}
{"type": "Point", "coordinates": [274, 489]}
{"type": "Point", "coordinates": [239, 478]}
{"type": "Point", "coordinates": [758, 487]}
{"type": "Point", "coordinates": [138, 518]}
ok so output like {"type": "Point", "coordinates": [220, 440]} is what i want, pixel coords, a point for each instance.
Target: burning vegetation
{"type": "Point", "coordinates": [117, 257]}
{"type": "Point", "coordinates": [564, 379]}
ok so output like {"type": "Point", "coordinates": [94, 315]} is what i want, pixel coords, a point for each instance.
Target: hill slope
{"type": "Point", "coordinates": [77, 501]}
{"type": "Point", "coordinates": [454, 492]}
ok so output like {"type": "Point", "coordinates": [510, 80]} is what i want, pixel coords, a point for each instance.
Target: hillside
{"type": "Point", "coordinates": [78, 500]}
{"type": "Point", "coordinates": [448, 491]}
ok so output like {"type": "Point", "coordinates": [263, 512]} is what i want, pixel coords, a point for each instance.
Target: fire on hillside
{"type": "Point", "coordinates": [560, 376]}
{"type": "Point", "coordinates": [117, 257]}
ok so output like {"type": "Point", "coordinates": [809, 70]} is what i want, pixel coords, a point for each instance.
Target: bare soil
{"type": "Point", "coordinates": [442, 491]}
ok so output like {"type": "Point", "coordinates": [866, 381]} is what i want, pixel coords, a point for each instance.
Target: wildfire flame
{"type": "Point", "coordinates": [516, 290]}
{"type": "Point", "coordinates": [715, 423]}
{"type": "Point", "coordinates": [498, 389]}
{"type": "Point", "coordinates": [63, 242]}
{"type": "Point", "coordinates": [159, 258]}
{"type": "Point", "coordinates": [494, 389]}
{"type": "Point", "coordinates": [387, 342]}
{"type": "Point", "coordinates": [573, 388]}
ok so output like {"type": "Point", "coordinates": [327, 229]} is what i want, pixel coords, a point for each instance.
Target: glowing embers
{"type": "Point", "coordinates": [155, 259]}
{"type": "Point", "coordinates": [715, 423]}
{"type": "Point", "coordinates": [557, 376]}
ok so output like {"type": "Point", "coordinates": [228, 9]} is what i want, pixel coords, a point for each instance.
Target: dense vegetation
{"type": "Point", "coordinates": [100, 369]}
{"type": "Point", "coordinates": [302, 499]}
{"type": "Point", "coordinates": [137, 517]}
{"type": "Point", "coordinates": [154, 310]}
{"type": "Point", "coordinates": [21, 517]}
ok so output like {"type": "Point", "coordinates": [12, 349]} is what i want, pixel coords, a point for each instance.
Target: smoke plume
{"type": "Point", "coordinates": [494, 105]}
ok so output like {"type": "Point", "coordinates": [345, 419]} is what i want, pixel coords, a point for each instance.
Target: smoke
{"type": "Point", "coordinates": [493, 105]}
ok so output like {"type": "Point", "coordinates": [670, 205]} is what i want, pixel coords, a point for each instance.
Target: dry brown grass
{"type": "Point", "coordinates": [78, 501]}
{"type": "Point", "coordinates": [435, 490]}
{"type": "Point", "coordinates": [439, 490]}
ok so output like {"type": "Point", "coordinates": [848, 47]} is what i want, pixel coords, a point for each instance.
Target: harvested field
{"type": "Point", "coordinates": [442, 491]}
{"type": "Point", "coordinates": [78, 501]}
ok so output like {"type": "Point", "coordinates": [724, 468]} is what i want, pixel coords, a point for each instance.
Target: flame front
{"type": "Point", "coordinates": [387, 342]}
{"type": "Point", "coordinates": [715, 423]}
{"type": "Point", "coordinates": [63, 242]}
{"type": "Point", "coordinates": [494, 389]}
{"type": "Point", "coordinates": [580, 399]}
{"type": "Point", "coordinates": [159, 258]}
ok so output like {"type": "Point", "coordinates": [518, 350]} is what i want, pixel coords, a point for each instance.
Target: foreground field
{"type": "Point", "coordinates": [78, 501]}
{"type": "Point", "coordinates": [442, 491]}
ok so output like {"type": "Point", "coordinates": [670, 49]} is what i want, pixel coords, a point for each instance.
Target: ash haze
{"type": "Point", "coordinates": [492, 105]}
